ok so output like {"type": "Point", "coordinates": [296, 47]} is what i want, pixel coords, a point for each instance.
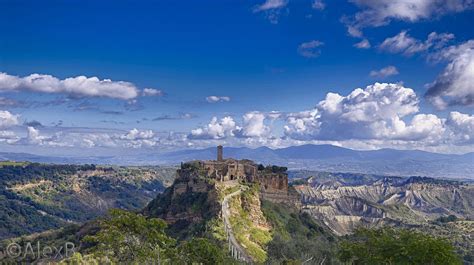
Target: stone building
{"type": "Point", "coordinates": [222, 169]}
{"type": "Point", "coordinates": [273, 180]}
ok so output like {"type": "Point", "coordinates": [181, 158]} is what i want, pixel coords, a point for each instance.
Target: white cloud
{"type": "Point", "coordinates": [215, 99]}
{"type": "Point", "coordinates": [302, 125]}
{"type": "Point", "coordinates": [270, 4]}
{"type": "Point", "coordinates": [407, 45]}
{"type": "Point", "coordinates": [384, 72]}
{"type": "Point", "coordinates": [34, 137]}
{"type": "Point", "coordinates": [254, 125]}
{"type": "Point", "coordinates": [271, 9]}
{"type": "Point", "coordinates": [216, 129]}
{"type": "Point", "coordinates": [9, 137]}
{"type": "Point", "coordinates": [80, 86]}
{"type": "Point", "coordinates": [318, 5]}
{"type": "Point", "coordinates": [8, 119]}
{"type": "Point", "coordinates": [363, 44]}
{"type": "Point", "coordinates": [138, 139]}
{"type": "Point", "coordinates": [376, 13]}
{"type": "Point", "coordinates": [455, 85]}
{"type": "Point", "coordinates": [136, 134]}
{"type": "Point", "coordinates": [89, 138]}
{"type": "Point", "coordinates": [381, 115]}
{"type": "Point", "coordinates": [462, 127]}
{"type": "Point", "coordinates": [150, 92]}
{"type": "Point", "coordinates": [310, 49]}
{"type": "Point", "coordinates": [375, 112]}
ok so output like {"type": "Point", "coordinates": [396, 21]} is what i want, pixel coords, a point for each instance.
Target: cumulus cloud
{"type": "Point", "coordinates": [80, 86]}
{"type": "Point", "coordinates": [301, 125]}
{"type": "Point", "coordinates": [272, 9]}
{"type": "Point", "coordinates": [375, 112]}
{"type": "Point", "coordinates": [34, 136]}
{"type": "Point", "coordinates": [384, 72]}
{"type": "Point", "coordinates": [455, 84]}
{"type": "Point", "coordinates": [137, 139]}
{"type": "Point", "coordinates": [380, 115]}
{"type": "Point", "coordinates": [216, 129]}
{"type": "Point", "coordinates": [462, 127]}
{"type": "Point", "coordinates": [151, 92]}
{"type": "Point", "coordinates": [363, 44]}
{"type": "Point", "coordinates": [8, 119]}
{"type": "Point", "coordinates": [135, 134]}
{"type": "Point", "coordinates": [215, 99]}
{"type": "Point", "coordinates": [310, 49]}
{"type": "Point", "coordinates": [253, 125]}
{"type": "Point", "coordinates": [376, 13]}
{"type": "Point", "coordinates": [405, 44]}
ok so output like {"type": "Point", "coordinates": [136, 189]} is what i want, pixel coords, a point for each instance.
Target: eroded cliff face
{"type": "Point", "coordinates": [382, 202]}
{"type": "Point", "coordinates": [274, 187]}
{"type": "Point", "coordinates": [250, 203]}
{"type": "Point", "coordinates": [190, 200]}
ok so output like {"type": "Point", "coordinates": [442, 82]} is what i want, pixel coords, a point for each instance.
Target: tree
{"type": "Point", "coordinates": [201, 251]}
{"type": "Point", "coordinates": [396, 246]}
{"type": "Point", "coordinates": [126, 237]}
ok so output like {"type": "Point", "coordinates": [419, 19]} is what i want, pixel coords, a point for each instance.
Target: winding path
{"type": "Point", "coordinates": [236, 250]}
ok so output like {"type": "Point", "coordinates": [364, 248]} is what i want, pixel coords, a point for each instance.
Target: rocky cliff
{"type": "Point", "coordinates": [385, 201]}
{"type": "Point", "coordinates": [193, 206]}
{"type": "Point", "coordinates": [192, 200]}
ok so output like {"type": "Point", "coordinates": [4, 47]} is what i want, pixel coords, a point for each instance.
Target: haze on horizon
{"type": "Point", "coordinates": [89, 78]}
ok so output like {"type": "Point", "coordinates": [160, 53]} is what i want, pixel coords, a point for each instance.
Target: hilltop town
{"type": "Point", "coordinates": [272, 180]}
{"type": "Point", "coordinates": [228, 192]}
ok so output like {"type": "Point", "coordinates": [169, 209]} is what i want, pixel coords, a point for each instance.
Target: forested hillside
{"type": "Point", "coordinates": [36, 197]}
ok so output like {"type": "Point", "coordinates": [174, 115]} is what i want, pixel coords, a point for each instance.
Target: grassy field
{"type": "Point", "coordinates": [13, 163]}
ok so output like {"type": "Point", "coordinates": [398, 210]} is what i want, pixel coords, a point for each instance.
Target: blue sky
{"type": "Point", "coordinates": [254, 57]}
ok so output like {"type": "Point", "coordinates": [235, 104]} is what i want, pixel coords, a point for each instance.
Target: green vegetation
{"type": "Point", "coordinates": [224, 191]}
{"type": "Point", "coordinates": [200, 205]}
{"type": "Point", "coordinates": [272, 168]}
{"type": "Point", "coordinates": [396, 246]}
{"type": "Point", "coordinates": [201, 251]}
{"type": "Point", "coordinates": [297, 237]}
{"type": "Point", "coordinates": [446, 219]}
{"type": "Point", "coordinates": [249, 234]}
{"type": "Point", "coordinates": [458, 232]}
{"type": "Point", "coordinates": [36, 197]}
{"type": "Point", "coordinates": [13, 163]}
{"type": "Point", "coordinates": [129, 238]}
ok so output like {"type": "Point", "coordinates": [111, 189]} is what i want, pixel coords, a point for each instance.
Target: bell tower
{"type": "Point", "coordinates": [220, 153]}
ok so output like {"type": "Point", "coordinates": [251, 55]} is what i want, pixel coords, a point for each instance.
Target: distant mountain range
{"type": "Point", "coordinates": [312, 157]}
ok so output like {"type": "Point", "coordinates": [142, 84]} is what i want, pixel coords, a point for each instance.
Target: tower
{"type": "Point", "coordinates": [219, 153]}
